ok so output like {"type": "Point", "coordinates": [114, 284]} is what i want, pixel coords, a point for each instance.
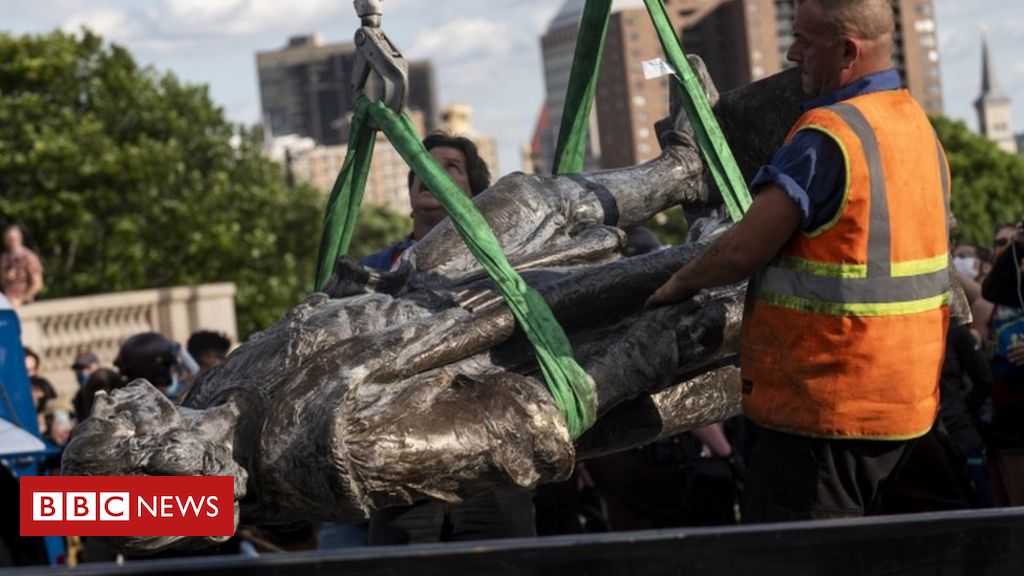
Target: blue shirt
{"type": "Point", "coordinates": [386, 258]}
{"type": "Point", "coordinates": [810, 169]}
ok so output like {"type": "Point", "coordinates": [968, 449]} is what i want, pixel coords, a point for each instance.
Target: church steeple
{"type": "Point", "coordinates": [993, 105]}
{"type": "Point", "coordinates": [989, 84]}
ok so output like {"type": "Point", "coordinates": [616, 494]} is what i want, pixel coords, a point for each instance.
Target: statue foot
{"type": "Point", "coordinates": [675, 129]}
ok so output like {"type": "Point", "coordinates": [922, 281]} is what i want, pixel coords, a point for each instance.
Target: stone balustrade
{"type": "Point", "coordinates": [58, 329]}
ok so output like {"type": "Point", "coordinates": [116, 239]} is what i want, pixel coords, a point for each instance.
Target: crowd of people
{"type": "Point", "coordinates": [148, 355]}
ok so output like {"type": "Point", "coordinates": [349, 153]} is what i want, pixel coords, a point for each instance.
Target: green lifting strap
{"type": "Point", "coordinates": [346, 195]}
{"type": "Point", "coordinates": [572, 133]}
{"type": "Point", "coordinates": [579, 97]}
{"type": "Point", "coordinates": [570, 386]}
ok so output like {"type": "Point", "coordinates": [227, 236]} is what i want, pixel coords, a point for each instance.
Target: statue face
{"type": "Point", "coordinates": [136, 430]}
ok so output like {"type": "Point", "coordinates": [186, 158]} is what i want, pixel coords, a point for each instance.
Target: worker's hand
{"type": "Point", "coordinates": [1016, 355]}
{"type": "Point", "coordinates": [670, 292]}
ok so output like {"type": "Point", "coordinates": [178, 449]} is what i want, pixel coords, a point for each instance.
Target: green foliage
{"type": "Point", "coordinates": [377, 228]}
{"type": "Point", "coordinates": [988, 183]}
{"type": "Point", "coordinates": [127, 178]}
{"type": "Point", "coordinates": [670, 226]}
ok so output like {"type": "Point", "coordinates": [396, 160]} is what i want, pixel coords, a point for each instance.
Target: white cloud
{"type": "Point", "coordinates": [109, 22]}
{"type": "Point", "coordinates": [463, 37]}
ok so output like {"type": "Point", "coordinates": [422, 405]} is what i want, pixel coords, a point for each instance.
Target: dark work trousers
{"type": "Point", "coordinates": [504, 513]}
{"type": "Point", "coordinates": [801, 478]}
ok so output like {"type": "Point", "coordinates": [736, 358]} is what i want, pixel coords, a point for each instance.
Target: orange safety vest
{"type": "Point", "coordinates": [844, 333]}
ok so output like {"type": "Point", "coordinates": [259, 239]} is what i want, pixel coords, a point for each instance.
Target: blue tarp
{"type": "Point", "coordinates": [16, 404]}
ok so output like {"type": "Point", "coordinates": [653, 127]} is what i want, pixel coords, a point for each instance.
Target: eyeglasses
{"type": "Point", "coordinates": [1001, 242]}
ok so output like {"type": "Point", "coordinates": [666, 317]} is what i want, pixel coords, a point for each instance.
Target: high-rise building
{"type": "Point", "coordinates": [993, 106]}
{"type": "Point", "coordinates": [740, 41]}
{"type": "Point", "coordinates": [305, 89]}
{"type": "Point", "coordinates": [626, 105]}
{"type": "Point", "coordinates": [745, 40]}
{"type": "Point", "coordinates": [557, 47]}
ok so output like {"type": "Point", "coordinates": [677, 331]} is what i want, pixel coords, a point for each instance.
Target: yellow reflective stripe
{"type": "Point", "coordinates": [918, 267]}
{"type": "Point", "coordinates": [827, 269]}
{"type": "Point", "coordinates": [855, 309]}
{"type": "Point", "coordinates": [846, 187]}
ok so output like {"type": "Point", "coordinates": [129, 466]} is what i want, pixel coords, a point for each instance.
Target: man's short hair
{"type": "Point", "coordinates": [478, 173]}
{"type": "Point", "coordinates": [205, 341]}
{"type": "Point", "coordinates": [864, 19]}
{"type": "Point", "coordinates": [147, 355]}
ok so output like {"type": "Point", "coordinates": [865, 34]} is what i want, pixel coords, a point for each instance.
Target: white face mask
{"type": "Point", "coordinates": [967, 265]}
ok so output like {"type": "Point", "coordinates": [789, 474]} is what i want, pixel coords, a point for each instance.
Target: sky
{"type": "Point", "coordinates": [486, 53]}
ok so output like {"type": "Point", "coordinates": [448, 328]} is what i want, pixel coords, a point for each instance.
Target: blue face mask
{"type": "Point", "coordinates": [82, 378]}
{"type": "Point", "coordinates": [174, 390]}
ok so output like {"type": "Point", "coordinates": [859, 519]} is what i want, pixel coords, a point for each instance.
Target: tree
{"type": "Point", "coordinates": [127, 178]}
{"type": "Point", "coordinates": [376, 229]}
{"type": "Point", "coordinates": [988, 183]}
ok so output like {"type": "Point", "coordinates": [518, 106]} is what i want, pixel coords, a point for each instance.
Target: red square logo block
{"type": "Point", "coordinates": [127, 505]}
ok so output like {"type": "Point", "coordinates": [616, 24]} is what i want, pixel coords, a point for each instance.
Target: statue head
{"type": "Point", "coordinates": [138, 431]}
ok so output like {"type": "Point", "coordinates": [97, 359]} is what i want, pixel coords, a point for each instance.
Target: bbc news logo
{"type": "Point", "coordinates": [127, 506]}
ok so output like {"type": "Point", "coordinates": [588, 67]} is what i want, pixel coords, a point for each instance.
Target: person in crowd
{"type": "Point", "coordinates": [1004, 288]}
{"type": "Point", "coordinates": [32, 362]}
{"type": "Point", "coordinates": [844, 333]}
{"type": "Point", "coordinates": [60, 420]}
{"type": "Point", "coordinates": [966, 387]}
{"type": "Point", "coordinates": [986, 258]}
{"type": "Point", "coordinates": [105, 380]}
{"type": "Point", "coordinates": [208, 348]}
{"type": "Point", "coordinates": [460, 158]}
{"type": "Point", "coordinates": [152, 356]}
{"type": "Point", "coordinates": [966, 260]}
{"type": "Point", "coordinates": [42, 393]}
{"type": "Point", "coordinates": [982, 308]}
{"type": "Point", "coordinates": [21, 272]}
{"type": "Point", "coordinates": [504, 513]}
{"type": "Point", "coordinates": [86, 364]}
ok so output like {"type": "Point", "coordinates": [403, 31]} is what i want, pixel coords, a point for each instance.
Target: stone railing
{"type": "Point", "coordinates": [58, 329]}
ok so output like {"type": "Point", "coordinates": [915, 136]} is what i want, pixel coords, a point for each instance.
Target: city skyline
{"type": "Point", "coordinates": [485, 54]}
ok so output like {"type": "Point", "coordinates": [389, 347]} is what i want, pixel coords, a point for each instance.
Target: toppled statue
{"type": "Point", "coordinates": [393, 387]}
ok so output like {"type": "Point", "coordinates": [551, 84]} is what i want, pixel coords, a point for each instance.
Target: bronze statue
{"type": "Point", "coordinates": [393, 387]}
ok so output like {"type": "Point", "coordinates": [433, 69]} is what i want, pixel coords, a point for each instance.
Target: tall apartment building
{"type": "Point", "coordinates": [626, 105]}
{"type": "Point", "coordinates": [740, 41]}
{"type": "Point", "coordinates": [745, 40]}
{"type": "Point", "coordinates": [557, 46]}
{"type": "Point", "coordinates": [305, 89]}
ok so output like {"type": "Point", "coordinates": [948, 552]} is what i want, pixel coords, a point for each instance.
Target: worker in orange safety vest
{"type": "Point", "coordinates": [847, 246]}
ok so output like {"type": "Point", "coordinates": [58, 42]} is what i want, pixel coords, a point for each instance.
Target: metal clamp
{"type": "Point", "coordinates": [376, 53]}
